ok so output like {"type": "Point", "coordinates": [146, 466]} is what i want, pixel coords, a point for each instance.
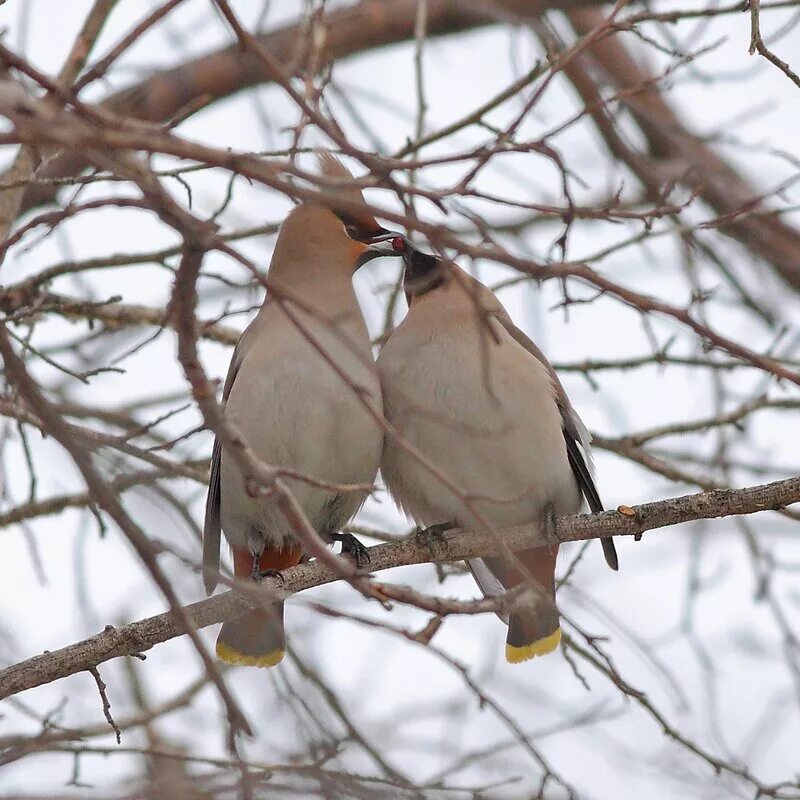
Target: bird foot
{"type": "Point", "coordinates": [259, 575]}
{"type": "Point", "coordinates": [352, 547]}
{"type": "Point", "coordinates": [434, 534]}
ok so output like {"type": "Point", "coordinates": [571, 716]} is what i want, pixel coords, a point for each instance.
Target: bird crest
{"type": "Point", "coordinates": [357, 218]}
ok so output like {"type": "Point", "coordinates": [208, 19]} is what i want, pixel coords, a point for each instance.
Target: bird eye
{"type": "Point", "coordinates": [399, 244]}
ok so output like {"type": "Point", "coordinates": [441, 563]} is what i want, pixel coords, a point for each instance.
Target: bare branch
{"type": "Point", "coordinates": [460, 544]}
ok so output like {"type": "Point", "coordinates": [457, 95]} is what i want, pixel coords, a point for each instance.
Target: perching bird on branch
{"type": "Point", "coordinates": [474, 395]}
{"type": "Point", "coordinates": [295, 411]}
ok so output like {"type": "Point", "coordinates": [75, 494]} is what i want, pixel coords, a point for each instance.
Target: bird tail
{"type": "Point", "coordinates": [532, 631]}
{"type": "Point", "coordinates": [533, 622]}
{"type": "Point", "coordinates": [255, 639]}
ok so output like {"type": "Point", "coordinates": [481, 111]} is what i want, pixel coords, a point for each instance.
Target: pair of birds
{"type": "Point", "coordinates": [485, 433]}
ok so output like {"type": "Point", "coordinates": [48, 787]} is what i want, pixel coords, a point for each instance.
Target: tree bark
{"type": "Point", "coordinates": [139, 636]}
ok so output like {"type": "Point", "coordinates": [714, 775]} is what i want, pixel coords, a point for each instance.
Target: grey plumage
{"type": "Point", "coordinates": [295, 390]}
{"type": "Point", "coordinates": [474, 395]}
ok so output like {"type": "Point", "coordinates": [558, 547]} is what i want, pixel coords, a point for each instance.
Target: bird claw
{"type": "Point", "coordinates": [434, 534]}
{"type": "Point", "coordinates": [260, 575]}
{"type": "Point", "coordinates": [353, 548]}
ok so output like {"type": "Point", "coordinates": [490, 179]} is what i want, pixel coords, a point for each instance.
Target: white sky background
{"type": "Point", "coordinates": [417, 710]}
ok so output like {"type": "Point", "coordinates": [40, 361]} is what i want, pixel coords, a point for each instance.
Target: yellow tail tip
{"type": "Point", "coordinates": [541, 647]}
{"type": "Point", "coordinates": [230, 656]}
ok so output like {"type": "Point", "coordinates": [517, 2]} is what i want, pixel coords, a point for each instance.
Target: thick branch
{"type": "Point", "coordinates": [361, 27]}
{"type": "Point", "coordinates": [461, 544]}
{"type": "Point", "coordinates": [694, 164]}
{"type": "Point", "coordinates": [27, 159]}
{"type": "Point", "coordinates": [72, 133]}
{"type": "Point", "coordinates": [108, 501]}
{"type": "Point", "coordinates": [371, 24]}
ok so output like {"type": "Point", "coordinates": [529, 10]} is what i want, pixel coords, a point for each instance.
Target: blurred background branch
{"type": "Point", "coordinates": [623, 175]}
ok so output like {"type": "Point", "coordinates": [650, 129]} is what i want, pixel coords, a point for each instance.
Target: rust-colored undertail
{"type": "Point", "coordinates": [256, 639]}
{"type": "Point", "coordinates": [533, 624]}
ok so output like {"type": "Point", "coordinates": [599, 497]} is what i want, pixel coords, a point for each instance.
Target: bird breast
{"type": "Point", "coordinates": [297, 408]}
{"type": "Point", "coordinates": [484, 412]}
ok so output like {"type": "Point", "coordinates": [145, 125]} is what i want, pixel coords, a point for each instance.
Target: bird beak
{"type": "Point", "coordinates": [385, 243]}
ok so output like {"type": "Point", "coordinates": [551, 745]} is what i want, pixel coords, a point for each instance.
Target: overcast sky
{"type": "Point", "coordinates": [415, 707]}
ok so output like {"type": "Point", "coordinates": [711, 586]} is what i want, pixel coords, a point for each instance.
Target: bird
{"type": "Point", "coordinates": [296, 411]}
{"type": "Point", "coordinates": [473, 395]}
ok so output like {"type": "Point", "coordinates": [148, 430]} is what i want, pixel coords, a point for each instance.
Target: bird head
{"type": "Point", "coordinates": [423, 271]}
{"type": "Point", "coordinates": [368, 238]}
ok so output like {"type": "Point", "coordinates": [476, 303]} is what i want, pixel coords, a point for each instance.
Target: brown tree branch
{"type": "Point", "coordinates": [371, 24]}
{"type": "Point", "coordinates": [108, 500]}
{"type": "Point", "coordinates": [71, 131]}
{"type": "Point", "coordinates": [460, 544]}
{"type": "Point", "coordinates": [691, 160]}
{"type": "Point", "coordinates": [757, 43]}
{"type": "Point", "coordinates": [114, 316]}
{"type": "Point", "coordinates": [28, 159]}
{"type": "Point", "coordinates": [55, 505]}
{"type": "Point", "coordinates": [363, 26]}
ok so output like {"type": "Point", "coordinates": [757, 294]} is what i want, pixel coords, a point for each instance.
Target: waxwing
{"type": "Point", "coordinates": [473, 394]}
{"type": "Point", "coordinates": [294, 410]}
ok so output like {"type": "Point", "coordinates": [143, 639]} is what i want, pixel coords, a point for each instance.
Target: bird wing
{"type": "Point", "coordinates": [487, 581]}
{"type": "Point", "coordinates": [212, 524]}
{"type": "Point", "coordinates": [576, 436]}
